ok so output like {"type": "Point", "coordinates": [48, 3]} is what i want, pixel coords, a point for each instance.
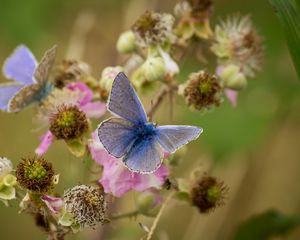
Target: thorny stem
{"type": "Point", "coordinates": [158, 216]}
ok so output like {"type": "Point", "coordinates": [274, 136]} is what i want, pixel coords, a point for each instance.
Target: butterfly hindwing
{"type": "Point", "coordinates": [172, 137]}
{"type": "Point", "coordinates": [44, 67]}
{"type": "Point", "coordinates": [124, 102]}
{"type": "Point", "coordinates": [116, 135]}
{"type": "Point", "coordinates": [7, 91]}
{"type": "Point", "coordinates": [20, 66]}
{"type": "Point", "coordinates": [144, 156]}
{"type": "Point", "coordinates": [28, 95]}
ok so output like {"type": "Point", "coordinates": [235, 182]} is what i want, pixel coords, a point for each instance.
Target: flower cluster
{"type": "Point", "coordinates": [69, 99]}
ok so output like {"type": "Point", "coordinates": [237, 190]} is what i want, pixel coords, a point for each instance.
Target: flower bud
{"type": "Point", "coordinates": [154, 68]}
{"type": "Point", "coordinates": [126, 42]}
{"type": "Point", "coordinates": [5, 166]}
{"type": "Point", "coordinates": [233, 78]}
{"type": "Point", "coordinates": [108, 76]}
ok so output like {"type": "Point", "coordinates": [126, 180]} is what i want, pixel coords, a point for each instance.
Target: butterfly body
{"type": "Point", "coordinates": [130, 136]}
{"type": "Point", "coordinates": [30, 84]}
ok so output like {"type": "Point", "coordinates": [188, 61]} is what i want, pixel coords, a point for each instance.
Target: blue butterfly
{"type": "Point", "coordinates": [31, 79]}
{"type": "Point", "coordinates": [131, 137]}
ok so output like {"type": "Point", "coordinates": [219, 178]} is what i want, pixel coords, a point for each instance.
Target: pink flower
{"type": "Point", "coordinates": [55, 204]}
{"type": "Point", "coordinates": [84, 102]}
{"type": "Point", "coordinates": [117, 179]}
{"type": "Point", "coordinates": [231, 96]}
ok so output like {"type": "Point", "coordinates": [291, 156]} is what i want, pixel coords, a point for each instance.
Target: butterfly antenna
{"type": "Point", "coordinates": [151, 114]}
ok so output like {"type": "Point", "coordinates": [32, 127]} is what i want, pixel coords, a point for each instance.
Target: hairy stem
{"type": "Point", "coordinates": [155, 222]}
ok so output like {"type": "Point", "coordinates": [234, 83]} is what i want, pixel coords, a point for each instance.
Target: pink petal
{"type": "Point", "coordinates": [84, 89]}
{"type": "Point", "coordinates": [232, 96]}
{"type": "Point", "coordinates": [117, 179]}
{"type": "Point", "coordinates": [94, 109]}
{"type": "Point", "coordinates": [46, 140]}
{"type": "Point", "coordinates": [154, 180]}
{"type": "Point", "coordinates": [54, 204]}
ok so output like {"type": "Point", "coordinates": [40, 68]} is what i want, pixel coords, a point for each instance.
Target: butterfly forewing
{"type": "Point", "coordinates": [20, 66]}
{"type": "Point", "coordinates": [172, 137]}
{"type": "Point", "coordinates": [116, 135]}
{"type": "Point", "coordinates": [144, 156]}
{"type": "Point", "coordinates": [7, 91]}
{"type": "Point", "coordinates": [43, 69]}
{"type": "Point", "coordinates": [124, 102]}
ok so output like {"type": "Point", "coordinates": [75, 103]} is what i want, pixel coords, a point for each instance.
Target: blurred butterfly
{"type": "Point", "coordinates": [129, 135]}
{"type": "Point", "coordinates": [30, 84]}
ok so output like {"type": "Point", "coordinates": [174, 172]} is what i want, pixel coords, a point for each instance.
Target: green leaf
{"type": "Point", "coordinates": [288, 12]}
{"type": "Point", "coordinates": [265, 225]}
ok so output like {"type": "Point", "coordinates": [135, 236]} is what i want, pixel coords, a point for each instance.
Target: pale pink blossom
{"type": "Point", "coordinates": [117, 179]}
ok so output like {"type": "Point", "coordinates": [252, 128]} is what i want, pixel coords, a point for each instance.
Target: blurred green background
{"type": "Point", "coordinates": [254, 148]}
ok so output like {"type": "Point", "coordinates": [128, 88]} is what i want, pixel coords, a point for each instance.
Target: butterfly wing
{"type": "Point", "coordinates": [144, 156]}
{"type": "Point", "coordinates": [117, 136]}
{"type": "Point", "coordinates": [20, 66]}
{"type": "Point", "coordinates": [43, 69]}
{"type": "Point", "coordinates": [124, 101]}
{"type": "Point", "coordinates": [7, 91]}
{"type": "Point", "coordinates": [28, 95]}
{"type": "Point", "coordinates": [172, 137]}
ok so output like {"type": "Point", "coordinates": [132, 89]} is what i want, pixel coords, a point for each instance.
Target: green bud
{"type": "Point", "coordinates": [9, 180]}
{"type": "Point", "coordinates": [154, 69]}
{"type": "Point", "coordinates": [233, 78]}
{"type": "Point", "coordinates": [126, 42]}
{"type": "Point", "coordinates": [7, 193]}
{"type": "Point", "coordinates": [108, 75]}
{"type": "Point", "coordinates": [202, 29]}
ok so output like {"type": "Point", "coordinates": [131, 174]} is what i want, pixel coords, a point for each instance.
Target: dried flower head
{"type": "Point", "coordinates": [200, 8]}
{"type": "Point", "coordinates": [153, 29]}
{"type": "Point", "coordinates": [208, 193]}
{"type": "Point", "coordinates": [69, 122]}
{"type": "Point", "coordinates": [35, 174]}
{"type": "Point", "coordinates": [70, 71]}
{"type": "Point", "coordinates": [5, 166]}
{"type": "Point", "coordinates": [193, 19]}
{"type": "Point", "coordinates": [86, 204]}
{"type": "Point", "coordinates": [237, 42]}
{"type": "Point", "coordinates": [201, 91]}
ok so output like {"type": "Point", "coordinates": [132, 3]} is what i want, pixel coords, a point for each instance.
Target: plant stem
{"type": "Point", "coordinates": [157, 101]}
{"type": "Point", "coordinates": [164, 91]}
{"type": "Point", "coordinates": [154, 225]}
{"type": "Point", "coordinates": [134, 213]}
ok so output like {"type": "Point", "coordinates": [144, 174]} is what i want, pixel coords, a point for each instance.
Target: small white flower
{"type": "Point", "coordinates": [5, 166]}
